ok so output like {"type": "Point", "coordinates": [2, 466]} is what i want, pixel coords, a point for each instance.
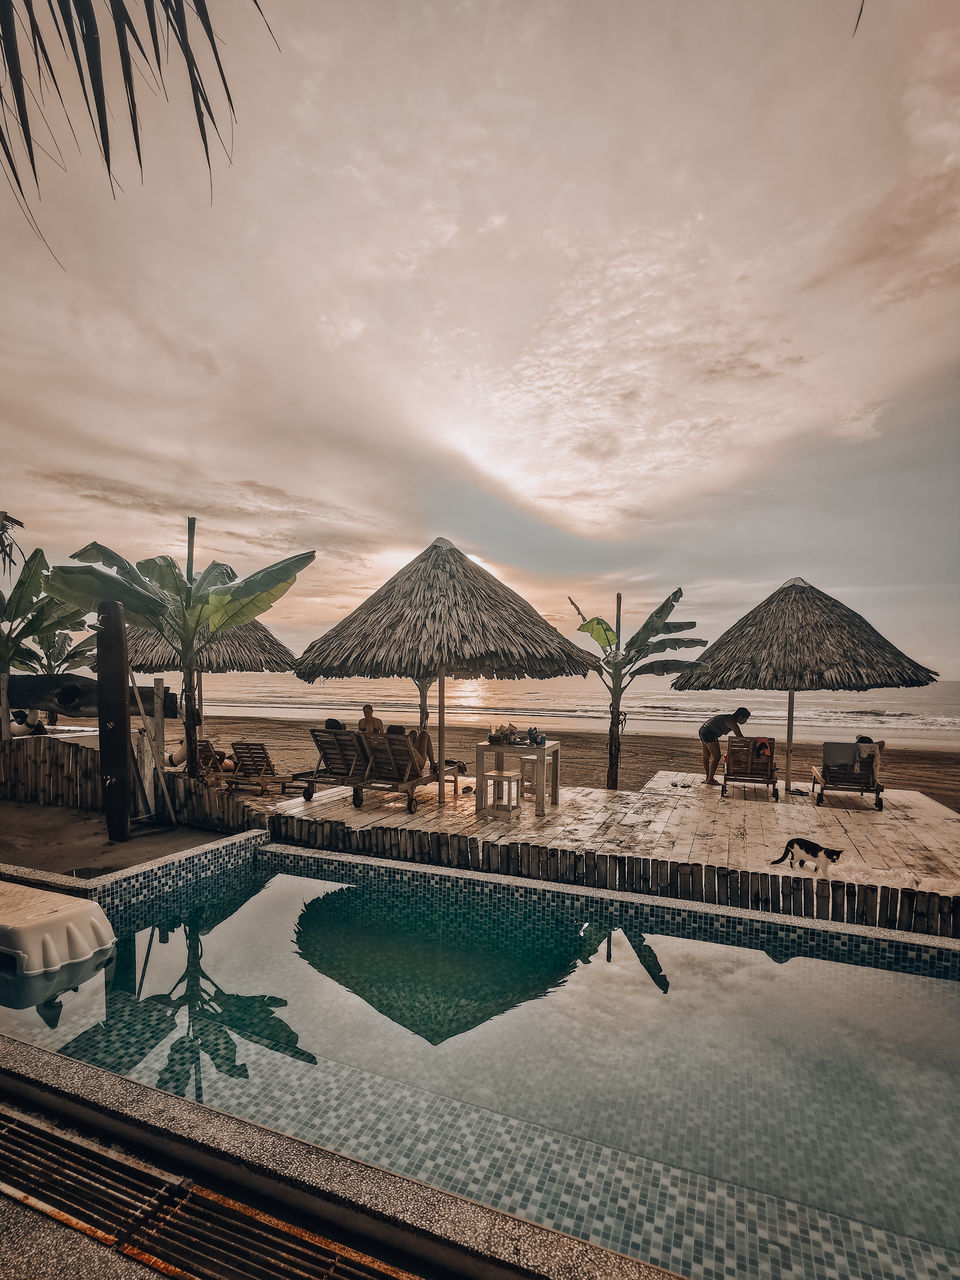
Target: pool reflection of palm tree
{"type": "Point", "coordinates": [134, 1027]}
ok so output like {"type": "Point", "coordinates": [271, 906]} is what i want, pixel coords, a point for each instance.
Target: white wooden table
{"type": "Point", "coordinates": [549, 753]}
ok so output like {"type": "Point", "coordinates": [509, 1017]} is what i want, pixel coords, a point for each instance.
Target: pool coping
{"type": "Point", "coordinates": [400, 1213]}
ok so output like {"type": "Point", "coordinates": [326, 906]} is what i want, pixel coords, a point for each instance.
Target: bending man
{"type": "Point", "coordinates": [710, 734]}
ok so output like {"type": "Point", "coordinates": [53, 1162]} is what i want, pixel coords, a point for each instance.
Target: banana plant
{"type": "Point", "coordinates": [619, 667]}
{"type": "Point", "coordinates": [156, 593]}
{"type": "Point", "coordinates": [26, 614]}
{"type": "Point", "coordinates": [59, 652]}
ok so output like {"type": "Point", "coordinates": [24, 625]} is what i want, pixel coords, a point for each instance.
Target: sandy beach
{"type": "Point", "coordinates": [583, 756]}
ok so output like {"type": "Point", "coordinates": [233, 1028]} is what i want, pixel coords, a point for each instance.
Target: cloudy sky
{"type": "Point", "coordinates": [620, 295]}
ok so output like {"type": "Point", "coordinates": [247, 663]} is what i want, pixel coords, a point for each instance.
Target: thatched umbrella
{"type": "Point", "coordinates": [443, 615]}
{"type": "Point", "coordinates": [249, 647]}
{"type": "Point", "coordinates": [800, 638]}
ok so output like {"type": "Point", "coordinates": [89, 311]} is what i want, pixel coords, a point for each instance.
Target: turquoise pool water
{"type": "Point", "coordinates": [562, 1056]}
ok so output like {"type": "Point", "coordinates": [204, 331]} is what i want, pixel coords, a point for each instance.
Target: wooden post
{"type": "Point", "coordinates": [157, 755]}
{"type": "Point", "coordinates": [159, 729]}
{"type": "Point", "coordinates": [113, 716]}
{"type": "Point", "coordinates": [787, 779]}
{"type": "Point", "coordinates": [441, 741]}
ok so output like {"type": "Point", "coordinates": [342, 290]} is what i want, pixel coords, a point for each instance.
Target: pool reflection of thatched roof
{"type": "Point", "coordinates": [249, 647]}
{"type": "Point", "coordinates": [437, 977]}
{"type": "Point", "coordinates": [800, 638]}
{"type": "Point", "coordinates": [443, 613]}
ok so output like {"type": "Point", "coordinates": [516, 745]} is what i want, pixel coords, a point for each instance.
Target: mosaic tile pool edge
{"type": "Point", "coordinates": [126, 895]}
{"type": "Point", "coordinates": [781, 936]}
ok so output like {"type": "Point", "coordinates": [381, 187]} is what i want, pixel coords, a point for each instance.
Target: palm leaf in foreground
{"type": "Point", "coordinates": [83, 35]}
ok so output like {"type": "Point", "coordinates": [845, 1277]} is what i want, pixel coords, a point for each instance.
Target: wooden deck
{"type": "Point", "coordinates": [913, 843]}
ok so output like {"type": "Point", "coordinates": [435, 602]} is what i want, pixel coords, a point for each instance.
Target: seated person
{"type": "Point", "coordinates": [331, 723]}
{"type": "Point", "coordinates": [370, 723]}
{"type": "Point", "coordinates": [421, 746]}
{"type": "Point", "coordinates": [25, 724]}
{"type": "Point", "coordinates": [177, 757]}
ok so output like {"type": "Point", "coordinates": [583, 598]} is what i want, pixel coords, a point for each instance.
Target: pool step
{"type": "Point", "coordinates": [170, 1224]}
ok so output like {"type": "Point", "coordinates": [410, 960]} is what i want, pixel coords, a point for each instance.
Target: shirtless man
{"type": "Point", "coordinates": [710, 734]}
{"type": "Point", "coordinates": [370, 723]}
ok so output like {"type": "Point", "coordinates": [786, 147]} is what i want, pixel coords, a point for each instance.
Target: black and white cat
{"type": "Point", "coordinates": [807, 853]}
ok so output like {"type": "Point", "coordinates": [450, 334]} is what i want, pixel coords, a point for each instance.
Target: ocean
{"type": "Point", "coordinates": [928, 717]}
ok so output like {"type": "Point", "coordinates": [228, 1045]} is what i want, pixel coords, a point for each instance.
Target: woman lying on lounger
{"type": "Point", "coordinates": [421, 746]}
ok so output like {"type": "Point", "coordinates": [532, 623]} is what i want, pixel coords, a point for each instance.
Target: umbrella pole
{"type": "Point", "coordinates": [441, 742]}
{"type": "Point", "coordinates": [786, 785]}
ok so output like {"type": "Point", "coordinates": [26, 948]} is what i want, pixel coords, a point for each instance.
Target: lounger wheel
{"type": "Point", "coordinates": [776, 794]}
{"type": "Point", "coordinates": [358, 797]}
{"type": "Point", "coordinates": [820, 798]}
{"type": "Point", "coordinates": [309, 791]}
{"type": "Point", "coordinates": [723, 789]}
{"type": "Point", "coordinates": [879, 803]}
{"type": "Point", "coordinates": [411, 804]}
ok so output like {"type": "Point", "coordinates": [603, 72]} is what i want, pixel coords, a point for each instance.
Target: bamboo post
{"type": "Point", "coordinates": [786, 783]}
{"type": "Point", "coordinates": [159, 728]}
{"type": "Point", "coordinates": [157, 759]}
{"type": "Point", "coordinates": [441, 741]}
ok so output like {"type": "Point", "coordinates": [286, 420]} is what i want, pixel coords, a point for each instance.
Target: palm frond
{"type": "Point", "coordinates": [90, 37]}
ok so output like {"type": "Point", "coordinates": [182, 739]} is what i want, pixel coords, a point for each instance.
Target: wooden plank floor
{"type": "Point", "coordinates": [913, 843]}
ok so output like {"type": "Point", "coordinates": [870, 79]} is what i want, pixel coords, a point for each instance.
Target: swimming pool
{"type": "Point", "coordinates": [701, 1089]}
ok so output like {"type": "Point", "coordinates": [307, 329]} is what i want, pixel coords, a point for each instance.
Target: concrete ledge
{"type": "Point", "coordinates": [406, 1218]}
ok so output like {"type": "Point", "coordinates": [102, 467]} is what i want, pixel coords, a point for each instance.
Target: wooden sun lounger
{"type": "Point", "coordinates": [374, 762]}
{"type": "Point", "coordinates": [255, 769]}
{"type": "Point", "coordinates": [745, 763]}
{"type": "Point", "coordinates": [849, 766]}
{"type": "Point", "coordinates": [341, 762]}
{"type": "Point", "coordinates": [208, 763]}
{"type": "Point", "coordinates": [393, 767]}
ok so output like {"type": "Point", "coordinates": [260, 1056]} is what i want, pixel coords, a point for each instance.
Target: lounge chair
{"type": "Point", "coordinates": [395, 767]}
{"type": "Point", "coordinates": [849, 766]}
{"type": "Point", "coordinates": [342, 762]}
{"type": "Point", "coordinates": [751, 760]}
{"type": "Point", "coordinates": [255, 769]}
{"type": "Point", "coordinates": [368, 761]}
{"type": "Point", "coordinates": [208, 763]}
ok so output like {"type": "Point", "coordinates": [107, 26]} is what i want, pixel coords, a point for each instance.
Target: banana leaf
{"type": "Point", "coordinates": [241, 601]}
{"type": "Point", "coordinates": [661, 667]}
{"type": "Point", "coordinates": [654, 623]}
{"type": "Point", "coordinates": [27, 587]}
{"type": "Point", "coordinates": [85, 586]}
{"type": "Point", "coordinates": [600, 631]}
{"type": "Point", "coordinates": [164, 573]}
{"type": "Point", "coordinates": [672, 642]}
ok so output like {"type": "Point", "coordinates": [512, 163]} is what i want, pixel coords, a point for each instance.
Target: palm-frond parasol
{"type": "Point", "coordinates": [443, 615]}
{"type": "Point", "coordinates": [801, 639]}
{"type": "Point", "coordinates": [248, 647]}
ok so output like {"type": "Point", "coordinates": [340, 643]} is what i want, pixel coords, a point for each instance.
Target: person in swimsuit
{"type": "Point", "coordinates": [370, 723]}
{"type": "Point", "coordinates": [710, 734]}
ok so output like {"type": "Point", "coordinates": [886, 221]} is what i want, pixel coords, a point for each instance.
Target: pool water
{"type": "Point", "coordinates": [695, 1104]}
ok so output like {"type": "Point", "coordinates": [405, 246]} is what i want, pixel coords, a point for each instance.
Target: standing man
{"type": "Point", "coordinates": [710, 734]}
